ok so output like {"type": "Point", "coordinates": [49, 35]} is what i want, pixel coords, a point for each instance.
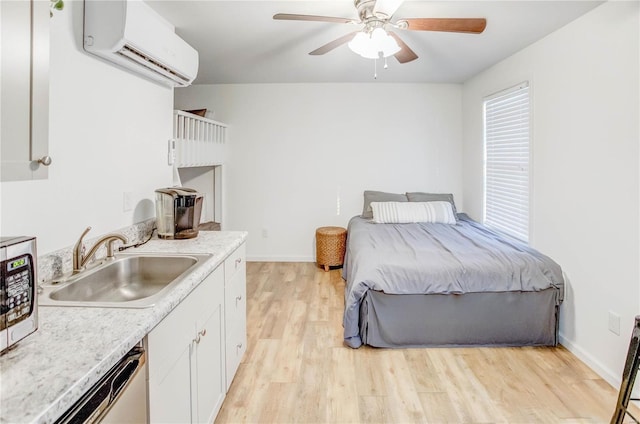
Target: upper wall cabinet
{"type": "Point", "coordinates": [24, 90]}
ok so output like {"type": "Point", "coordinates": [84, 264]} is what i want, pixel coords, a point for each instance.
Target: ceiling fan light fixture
{"type": "Point", "coordinates": [360, 43]}
{"type": "Point", "coordinates": [372, 46]}
{"type": "Point", "coordinates": [387, 44]}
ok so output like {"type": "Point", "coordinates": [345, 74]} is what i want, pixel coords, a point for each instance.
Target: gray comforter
{"type": "Point", "coordinates": [428, 258]}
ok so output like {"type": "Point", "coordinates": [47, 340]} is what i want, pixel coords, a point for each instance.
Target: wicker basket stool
{"type": "Point", "coordinates": [330, 246]}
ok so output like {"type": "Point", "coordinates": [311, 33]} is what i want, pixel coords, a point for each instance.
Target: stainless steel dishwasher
{"type": "Point", "coordinates": [119, 397]}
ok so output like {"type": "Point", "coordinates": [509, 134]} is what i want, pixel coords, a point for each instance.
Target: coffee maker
{"type": "Point", "coordinates": [178, 212]}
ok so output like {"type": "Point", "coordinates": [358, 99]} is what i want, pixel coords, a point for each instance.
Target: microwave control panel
{"type": "Point", "coordinates": [17, 292]}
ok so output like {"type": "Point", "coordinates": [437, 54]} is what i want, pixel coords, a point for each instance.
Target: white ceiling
{"type": "Point", "coordinates": [239, 42]}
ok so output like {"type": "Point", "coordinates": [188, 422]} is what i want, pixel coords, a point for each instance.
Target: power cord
{"type": "Point", "coordinates": [121, 248]}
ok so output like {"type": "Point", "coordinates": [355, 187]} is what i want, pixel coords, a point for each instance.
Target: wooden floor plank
{"type": "Point", "coordinates": [342, 396]}
{"type": "Point", "coordinates": [402, 403]}
{"type": "Point", "coordinates": [297, 369]}
{"type": "Point", "coordinates": [372, 410]}
{"type": "Point", "coordinates": [439, 408]}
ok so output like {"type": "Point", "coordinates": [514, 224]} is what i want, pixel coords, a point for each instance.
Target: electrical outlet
{"type": "Point", "coordinates": [127, 201]}
{"type": "Point", "coordinates": [614, 323]}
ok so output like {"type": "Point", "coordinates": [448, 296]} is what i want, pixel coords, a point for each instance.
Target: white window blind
{"type": "Point", "coordinates": [506, 136]}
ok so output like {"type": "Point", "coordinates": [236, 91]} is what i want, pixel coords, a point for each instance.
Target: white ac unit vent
{"type": "Point", "coordinates": [132, 35]}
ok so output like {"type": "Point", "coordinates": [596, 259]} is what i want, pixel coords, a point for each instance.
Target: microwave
{"type": "Point", "coordinates": [18, 290]}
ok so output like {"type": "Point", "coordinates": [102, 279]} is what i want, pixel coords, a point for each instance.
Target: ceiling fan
{"type": "Point", "coordinates": [375, 39]}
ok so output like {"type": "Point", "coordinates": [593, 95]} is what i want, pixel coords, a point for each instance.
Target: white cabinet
{"type": "Point", "coordinates": [235, 303]}
{"type": "Point", "coordinates": [24, 104]}
{"type": "Point", "coordinates": [194, 352]}
{"type": "Point", "coordinates": [186, 357]}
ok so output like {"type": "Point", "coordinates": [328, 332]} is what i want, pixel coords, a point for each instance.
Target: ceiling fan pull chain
{"type": "Point", "coordinates": [385, 64]}
{"type": "Point", "coordinates": [375, 68]}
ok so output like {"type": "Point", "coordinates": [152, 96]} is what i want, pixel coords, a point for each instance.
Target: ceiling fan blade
{"type": "Point", "coordinates": [387, 7]}
{"type": "Point", "coordinates": [405, 54]}
{"type": "Point", "coordinates": [469, 25]}
{"type": "Point", "coordinates": [291, 17]}
{"type": "Point", "coordinates": [333, 44]}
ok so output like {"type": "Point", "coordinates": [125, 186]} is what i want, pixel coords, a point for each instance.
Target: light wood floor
{"type": "Point", "coordinates": [296, 369]}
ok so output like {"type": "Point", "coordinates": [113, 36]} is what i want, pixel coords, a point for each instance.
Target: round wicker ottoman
{"type": "Point", "coordinates": [330, 246]}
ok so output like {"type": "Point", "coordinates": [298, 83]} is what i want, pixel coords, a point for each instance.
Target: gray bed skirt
{"type": "Point", "coordinates": [478, 319]}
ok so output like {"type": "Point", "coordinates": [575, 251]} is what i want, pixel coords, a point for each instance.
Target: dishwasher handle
{"type": "Point", "coordinates": [127, 369]}
{"type": "Point", "coordinates": [94, 405]}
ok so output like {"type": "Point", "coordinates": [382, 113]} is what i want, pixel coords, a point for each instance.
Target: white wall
{"type": "Point", "coordinates": [298, 149]}
{"type": "Point", "coordinates": [585, 210]}
{"type": "Point", "coordinates": [108, 134]}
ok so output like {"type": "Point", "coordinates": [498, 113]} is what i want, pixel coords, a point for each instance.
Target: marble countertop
{"type": "Point", "coordinates": [73, 347]}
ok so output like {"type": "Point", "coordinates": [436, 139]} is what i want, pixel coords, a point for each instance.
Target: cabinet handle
{"type": "Point", "coordinates": [238, 262]}
{"type": "Point", "coordinates": [200, 335]}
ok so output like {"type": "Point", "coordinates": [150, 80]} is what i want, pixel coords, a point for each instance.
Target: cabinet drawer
{"type": "Point", "coordinates": [235, 263]}
{"type": "Point", "coordinates": [236, 301]}
{"type": "Point", "coordinates": [236, 346]}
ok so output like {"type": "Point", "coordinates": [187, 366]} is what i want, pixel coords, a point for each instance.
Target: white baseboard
{"type": "Point", "coordinates": [281, 259]}
{"type": "Point", "coordinates": [608, 375]}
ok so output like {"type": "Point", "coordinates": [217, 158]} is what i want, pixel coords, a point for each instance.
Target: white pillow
{"type": "Point", "coordinates": [407, 212]}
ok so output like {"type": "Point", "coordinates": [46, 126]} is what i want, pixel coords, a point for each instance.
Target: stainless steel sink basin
{"type": "Point", "coordinates": [128, 281]}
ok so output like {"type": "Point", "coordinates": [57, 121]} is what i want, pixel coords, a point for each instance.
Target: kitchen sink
{"type": "Point", "coordinates": [127, 281]}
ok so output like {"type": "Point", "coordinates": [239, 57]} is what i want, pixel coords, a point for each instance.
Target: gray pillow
{"type": "Point", "coordinates": [379, 196]}
{"type": "Point", "coordinates": [433, 197]}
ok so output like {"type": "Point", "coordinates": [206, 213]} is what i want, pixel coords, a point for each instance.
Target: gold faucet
{"type": "Point", "coordinates": [80, 260]}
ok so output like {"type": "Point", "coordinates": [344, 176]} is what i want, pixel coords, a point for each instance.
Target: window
{"type": "Point", "coordinates": [506, 176]}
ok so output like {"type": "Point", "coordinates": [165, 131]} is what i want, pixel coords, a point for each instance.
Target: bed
{"type": "Point", "coordinates": [434, 284]}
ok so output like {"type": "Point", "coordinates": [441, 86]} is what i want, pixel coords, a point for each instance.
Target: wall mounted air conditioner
{"type": "Point", "coordinates": [131, 34]}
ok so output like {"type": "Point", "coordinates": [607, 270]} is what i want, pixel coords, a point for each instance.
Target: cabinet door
{"type": "Point", "coordinates": [209, 365]}
{"type": "Point", "coordinates": [169, 357]}
{"type": "Point", "coordinates": [170, 394]}
{"type": "Point", "coordinates": [208, 360]}
{"type": "Point", "coordinates": [24, 103]}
